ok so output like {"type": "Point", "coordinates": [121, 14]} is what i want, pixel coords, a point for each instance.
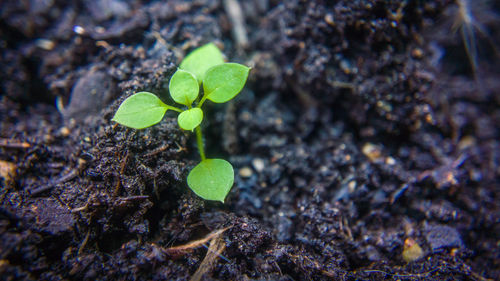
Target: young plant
{"type": "Point", "coordinates": [211, 179]}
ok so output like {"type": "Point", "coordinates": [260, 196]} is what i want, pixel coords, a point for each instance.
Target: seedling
{"type": "Point", "coordinates": [211, 179]}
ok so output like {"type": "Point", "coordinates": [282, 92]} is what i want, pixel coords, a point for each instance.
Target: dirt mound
{"type": "Point", "coordinates": [365, 143]}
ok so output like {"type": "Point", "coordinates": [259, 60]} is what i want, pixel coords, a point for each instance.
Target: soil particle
{"type": "Point", "coordinates": [90, 95]}
{"type": "Point", "coordinates": [8, 173]}
{"type": "Point", "coordinates": [442, 236]}
{"type": "Point", "coordinates": [50, 216]}
{"type": "Point", "coordinates": [249, 231]}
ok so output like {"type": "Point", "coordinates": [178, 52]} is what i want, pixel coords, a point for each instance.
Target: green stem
{"type": "Point", "coordinates": [199, 140]}
{"type": "Point", "coordinates": [202, 101]}
{"type": "Point", "coordinates": [173, 108]}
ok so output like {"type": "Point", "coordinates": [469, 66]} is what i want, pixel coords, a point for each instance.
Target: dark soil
{"type": "Point", "coordinates": [366, 143]}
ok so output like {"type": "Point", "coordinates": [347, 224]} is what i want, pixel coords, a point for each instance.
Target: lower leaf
{"type": "Point", "coordinates": [211, 179]}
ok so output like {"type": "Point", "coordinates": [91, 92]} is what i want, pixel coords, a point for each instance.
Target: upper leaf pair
{"type": "Point", "coordinates": [221, 81]}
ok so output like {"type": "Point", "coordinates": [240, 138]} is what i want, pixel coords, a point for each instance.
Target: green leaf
{"type": "Point", "coordinates": [190, 119]}
{"type": "Point", "coordinates": [223, 82]}
{"type": "Point", "coordinates": [183, 87]}
{"type": "Point", "coordinates": [140, 111]}
{"type": "Point", "coordinates": [211, 179]}
{"type": "Point", "coordinates": [201, 59]}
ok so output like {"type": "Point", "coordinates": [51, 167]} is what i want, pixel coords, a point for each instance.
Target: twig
{"type": "Point", "coordinates": [156, 151]}
{"type": "Point", "coordinates": [195, 244]}
{"type": "Point", "coordinates": [62, 179]}
{"type": "Point", "coordinates": [80, 209]}
{"type": "Point", "coordinates": [122, 170]}
{"type": "Point", "coordinates": [67, 177]}
{"type": "Point", "coordinates": [84, 242]}
{"type": "Point", "coordinates": [13, 143]}
{"type": "Point", "coordinates": [235, 13]}
{"type": "Point", "coordinates": [215, 250]}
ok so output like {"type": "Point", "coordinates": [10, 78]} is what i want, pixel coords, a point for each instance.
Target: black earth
{"type": "Point", "coordinates": [366, 144]}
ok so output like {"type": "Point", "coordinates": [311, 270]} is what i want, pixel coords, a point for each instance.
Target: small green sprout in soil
{"type": "Point", "coordinates": [211, 179]}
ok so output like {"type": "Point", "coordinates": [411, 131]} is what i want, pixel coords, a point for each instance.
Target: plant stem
{"type": "Point", "coordinates": [173, 108]}
{"type": "Point", "coordinates": [199, 141]}
{"type": "Point", "coordinates": [202, 101]}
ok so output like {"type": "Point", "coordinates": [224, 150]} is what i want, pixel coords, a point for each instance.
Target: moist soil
{"type": "Point", "coordinates": [365, 143]}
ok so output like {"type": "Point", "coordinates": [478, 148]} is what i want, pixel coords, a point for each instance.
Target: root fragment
{"type": "Point", "coordinates": [215, 250]}
{"type": "Point", "coordinates": [195, 244]}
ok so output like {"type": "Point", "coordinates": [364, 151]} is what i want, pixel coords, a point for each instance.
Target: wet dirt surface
{"type": "Point", "coordinates": [365, 143]}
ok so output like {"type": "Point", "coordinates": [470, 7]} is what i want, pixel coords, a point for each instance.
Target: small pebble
{"type": "Point", "coordinates": [373, 152]}
{"type": "Point", "coordinates": [390, 161]}
{"type": "Point", "coordinates": [45, 44]}
{"type": "Point", "coordinates": [417, 53]}
{"type": "Point", "coordinates": [258, 164]}
{"type": "Point", "coordinates": [412, 251]}
{"type": "Point", "coordinates": [246, 172]}
{"type": "Point", "coordinates": [100, 29]}
{"type": "Point", "coordinates": [64, 131]}
{"type": "Point", "coordinates": [78, 29]}
{"type": "Point", "coordinates": [329, 19]}
{"type": "Point", "coordinates": [8, 172]}
{"type": "Point", "coordinates": [352, 186]}
{"type": "Point", "coordinates": [48, 138]}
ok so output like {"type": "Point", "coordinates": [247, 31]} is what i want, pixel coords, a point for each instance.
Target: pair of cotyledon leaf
{"type": "Point", "coordinates": [211, 179]}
